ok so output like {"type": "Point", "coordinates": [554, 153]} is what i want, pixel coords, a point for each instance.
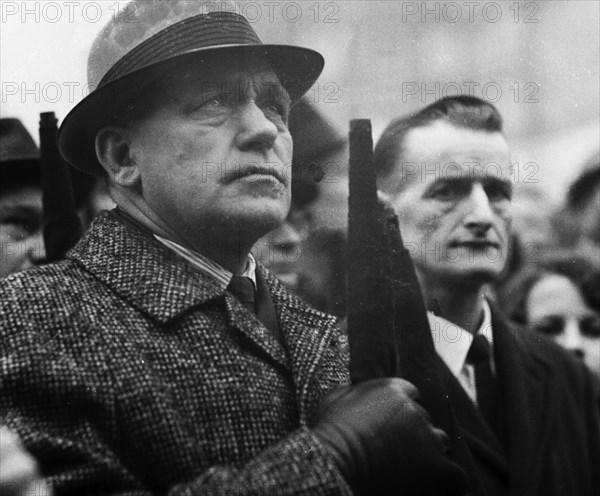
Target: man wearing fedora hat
{"type": "Point", "coordinates": [159, 357]}
{"type": "Point", "coordinates": [21, 241]}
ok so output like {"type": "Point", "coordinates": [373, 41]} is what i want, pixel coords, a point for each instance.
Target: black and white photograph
{"type": "Point", "coordinates": [299, 247]}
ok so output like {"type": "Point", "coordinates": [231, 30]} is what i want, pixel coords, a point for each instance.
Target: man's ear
{"type": "Point", "coordinates": [114, 154]}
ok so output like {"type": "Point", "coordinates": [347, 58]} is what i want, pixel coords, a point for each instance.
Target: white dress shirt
{"type": "Point", "coordinates": [452, 344]}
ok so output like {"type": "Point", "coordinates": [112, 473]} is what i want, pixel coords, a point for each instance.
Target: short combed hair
{"type": "Point", "coordinates": [466, 112]}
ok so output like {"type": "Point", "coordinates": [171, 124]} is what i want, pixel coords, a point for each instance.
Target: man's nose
{"type": "Point", "coordinates": [35, 248]}
{"type": "Point", "coordinates": [256, 133]}
{"type": "Point", "coordinates": [571, 336]}
{"type": "Point", "coordinates": [480, 215]}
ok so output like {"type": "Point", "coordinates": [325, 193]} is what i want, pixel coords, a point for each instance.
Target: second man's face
{"type": "Point", "coordinates": [455, 206]}
{"type": "Point", "coordinates": [214, 152]}
{"type": "Point", "coordinates": [21, 234]}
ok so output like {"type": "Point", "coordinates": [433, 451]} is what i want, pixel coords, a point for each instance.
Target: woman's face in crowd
{"type": "Point", "coordinates": [556, 308]}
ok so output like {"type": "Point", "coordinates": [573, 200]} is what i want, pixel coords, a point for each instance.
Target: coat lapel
{"type": "Point", "coordinates": [146, 274]}
{"type": "Point", "coordinates": [261, 334]}
{"type": "Point", "coordinates": [307, 333]}
{"type": "Point", "coordinates": [525, 379]}
{"type": "Point", "coordinates": [481, 439]}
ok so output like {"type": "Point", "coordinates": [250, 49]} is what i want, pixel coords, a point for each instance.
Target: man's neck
{"type": "Point", "coordinates": [230, 249]}
{"type": "Point", "coordinates": [227, 249]}
{"type": "Point", "coordinates": [230, 256]}
{"type": "Point", "coordinates": [460, 304]}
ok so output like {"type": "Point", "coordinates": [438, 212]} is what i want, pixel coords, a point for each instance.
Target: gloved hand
{"type": "Point", "coordinates": [384, 443]}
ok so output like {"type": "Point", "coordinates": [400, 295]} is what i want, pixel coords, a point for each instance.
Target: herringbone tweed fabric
{"type": "Point", "coordinates": [125, 371]}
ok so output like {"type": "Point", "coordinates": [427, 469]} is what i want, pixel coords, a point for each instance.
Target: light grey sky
{"type": "Point", "coordinates": [544, 56]}
{"type": "Point", "coordinates": [44, 47]}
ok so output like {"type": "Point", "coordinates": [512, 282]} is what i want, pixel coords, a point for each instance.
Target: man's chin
{"type": "Point", "coordinates": [471, 275]}
{"type": "Point", "coordinates": [259, 219]}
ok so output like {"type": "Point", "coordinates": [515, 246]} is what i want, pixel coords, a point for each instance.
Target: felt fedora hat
{"type": "Point", "coordinates": [157, 36]}
{"type": "Point", "coordinates": [19, 155]}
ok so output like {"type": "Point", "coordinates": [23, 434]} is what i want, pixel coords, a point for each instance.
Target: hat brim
{"type": "Point", "coordinates": [297, 68]}
{"type": "Point", "coordinates": [26, 171]}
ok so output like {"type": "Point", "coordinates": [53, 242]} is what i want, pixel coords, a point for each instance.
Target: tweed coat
{"type": "Point", "coordinates": [125, 371]}
{"type": "Point", "coordinates": [550, 436]}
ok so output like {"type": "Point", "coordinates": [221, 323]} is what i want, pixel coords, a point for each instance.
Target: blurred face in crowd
{"type": "Point", "coordinates": [213, 147]}
{"type": "Point", "coordinates": [556, 308]}
{"type": "Point", "coordinates": [280, 250]}
{"type": "Point", "coordinates": [21, 241]}
{"type": "Point", "coordinates": [455, 208]}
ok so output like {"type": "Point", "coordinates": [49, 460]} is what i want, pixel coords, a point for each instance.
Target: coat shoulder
{"type": "Point", "coordinates": [44, 303]}
{"type": "Point", "coordinates": [42, 286]}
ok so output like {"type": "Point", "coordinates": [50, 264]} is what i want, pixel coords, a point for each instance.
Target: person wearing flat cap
{"type": "Point", "coordinates": [159, 357]}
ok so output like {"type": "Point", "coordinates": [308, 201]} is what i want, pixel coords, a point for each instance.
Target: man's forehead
{"type": "Point", "coordinates": [442, 152]}
{"type": "Point", "coordinates": [444, 142]}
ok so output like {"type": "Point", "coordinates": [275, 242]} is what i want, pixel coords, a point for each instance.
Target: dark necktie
{"type": "Point", "coordinates": [479, 357]}
{"type": "Point", "coordinates": [243, 289]}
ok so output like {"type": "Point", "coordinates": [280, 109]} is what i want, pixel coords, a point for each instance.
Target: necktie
{"type": "Point", "coordinates": [243, 289]}
{"type": "Point", "coordinates": [479, 357]}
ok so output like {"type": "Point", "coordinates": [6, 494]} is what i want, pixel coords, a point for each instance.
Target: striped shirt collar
{"type": "Point", "coordinates": [205, 265]}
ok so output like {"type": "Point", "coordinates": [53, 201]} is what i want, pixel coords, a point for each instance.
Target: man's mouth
{"type": "Point", "coordinates": [256, 171]}
{"type": "Point", "coordinates": [476, 244]}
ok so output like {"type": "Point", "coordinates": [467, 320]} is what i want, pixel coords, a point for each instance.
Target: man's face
{"type": "Point", "coordinates": [454, 211]}
{"type": "Point", "coordinates": [214, 151]}
{"type": "Point", "coordinates": [21, 241]}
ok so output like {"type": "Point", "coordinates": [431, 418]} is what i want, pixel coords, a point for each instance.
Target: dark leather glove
{"type": "Point", "coordinates": [384, 442]}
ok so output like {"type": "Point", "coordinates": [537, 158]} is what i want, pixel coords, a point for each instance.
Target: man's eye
{"type": "Point", "coordinates": [275, 111]}
{"type": "Point", "coordinates": [551, 326]}
{"type": "Point", "coordinates": [498, 192]}
{"type": "Point", "coordinates": [590, 326]}
{"type": "Point", "coordinates": [214, 106]}
{"type": "Point", "coordinates": [444, 192]}
{"type": "Point", "coordinates": [17, 229]}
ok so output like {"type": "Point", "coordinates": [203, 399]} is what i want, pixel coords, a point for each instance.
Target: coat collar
{"type": "Point", "coordinates": [140, 270]}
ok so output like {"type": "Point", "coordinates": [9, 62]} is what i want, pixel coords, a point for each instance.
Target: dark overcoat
{"type": "Point", "coordinates": [548, 442]}
{"type": "Point", "coordinates": [125, 371]}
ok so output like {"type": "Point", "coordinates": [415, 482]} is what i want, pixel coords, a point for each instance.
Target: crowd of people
{"type": "Point", "coordinates": [193, 341]}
